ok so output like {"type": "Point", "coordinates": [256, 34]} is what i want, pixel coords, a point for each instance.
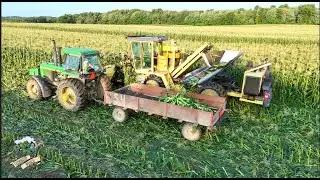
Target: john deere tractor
{"type": "Point", "coordinates": [80, 78]}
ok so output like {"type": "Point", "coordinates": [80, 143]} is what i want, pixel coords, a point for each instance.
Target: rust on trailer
{"type": "Point", "coordinates": [139, 97]}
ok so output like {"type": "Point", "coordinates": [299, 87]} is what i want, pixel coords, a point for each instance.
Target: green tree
{"type": "Point", "coordinates": [271, 16]}
{"type": "Point", "coordinates": [289, 16]}
{"type": "Point", "coordinates": [284, 6]}
{"type": "Point", "coordinates": [280, 16]}
{"type": "Point", "coordinates": [67, 18]}
{"type": "Point", "coordinates": [261, 16]}
{"type": "Point", "coordinates": [317, 17]}
{"type": "Point", "coordinates": [138, 17]}
{"type": "Point", "coordinates": [306, 14]}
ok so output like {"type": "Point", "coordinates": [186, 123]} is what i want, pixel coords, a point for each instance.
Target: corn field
{"type": "Point", "coordinates": [282, 141]}
{"type": "Point", "coordinates": [293, 50]}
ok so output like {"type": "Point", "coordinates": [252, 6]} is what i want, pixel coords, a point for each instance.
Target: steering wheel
{"type": "Point", "coordinates": [90, 69]}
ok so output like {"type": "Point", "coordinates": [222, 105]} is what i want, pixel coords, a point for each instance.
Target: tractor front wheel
{"type": "Point", "coordinates": [34, 90]}
{"type": "Point", "coordinates": [71, 94]}
{"type": "Point", "coordinates": [191, 132]}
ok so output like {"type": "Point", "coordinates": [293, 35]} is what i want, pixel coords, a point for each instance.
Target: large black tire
{"type": "Point", "coordinates": [103, 84]}
{"type": "Point", "coordinates": [214, 88]}
{"type": "Point", "coordinates": [154, 80]}
{"type": "Point", "coordinates": [77, 90]}
{"type": "Point", "coordinates": [34, 90]}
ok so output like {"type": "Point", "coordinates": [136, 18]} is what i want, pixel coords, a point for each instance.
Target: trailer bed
{"type": "Point", "coordinates": [140, 97]}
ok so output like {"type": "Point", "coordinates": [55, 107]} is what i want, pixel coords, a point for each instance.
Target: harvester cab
{"type": "Point", "coordinates": [160, 62]}
{"type": "Point", "coordinates": [151, 54]}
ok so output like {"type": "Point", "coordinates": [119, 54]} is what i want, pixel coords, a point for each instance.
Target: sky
{"type": "Point", "coordinates": [55, 9]}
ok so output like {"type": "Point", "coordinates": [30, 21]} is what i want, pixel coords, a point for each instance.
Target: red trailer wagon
{"type": "Point", "coordinates": [140, 97]}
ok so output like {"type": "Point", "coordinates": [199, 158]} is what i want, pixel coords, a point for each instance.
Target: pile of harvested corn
{"type": "Point", "coordinates": [183, 100]}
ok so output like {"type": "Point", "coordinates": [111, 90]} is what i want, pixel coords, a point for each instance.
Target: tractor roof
{"type": "Point", "coordinates": [79, 51]}
{"type": "Point", "coordinates": [147, 38]}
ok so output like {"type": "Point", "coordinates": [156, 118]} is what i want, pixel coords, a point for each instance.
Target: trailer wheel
{"type": "Point", "coordinates": [191, 132]}
{"type": "Point", "coordinates": [119, 114]}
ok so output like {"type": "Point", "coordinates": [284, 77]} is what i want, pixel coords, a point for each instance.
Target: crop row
{"type": "Point", "coordinates": [302, 86]}
{"type": "Point", "coordinates": [295, 66]}
{"type": "Point", "coordinates": [186, 33]}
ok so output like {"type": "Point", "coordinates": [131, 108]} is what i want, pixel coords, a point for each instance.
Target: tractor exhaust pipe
{"type": "Point", "coordinates": [59, 56]}
{"type": "Point", "coordinates": [54, 53]}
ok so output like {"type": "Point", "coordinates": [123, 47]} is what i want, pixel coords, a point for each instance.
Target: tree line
{"type": "Point", "coordinates": [303, 14]}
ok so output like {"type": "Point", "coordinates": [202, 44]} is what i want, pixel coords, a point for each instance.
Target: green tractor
{"type": "Point", "coordinates": [80, 78]}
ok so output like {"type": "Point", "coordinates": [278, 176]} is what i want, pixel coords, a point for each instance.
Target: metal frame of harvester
{"type": "Point", "coordinates": [159, 63]}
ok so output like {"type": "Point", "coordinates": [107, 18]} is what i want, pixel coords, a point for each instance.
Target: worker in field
{"type": "Point", "coordinates": [90, 64]}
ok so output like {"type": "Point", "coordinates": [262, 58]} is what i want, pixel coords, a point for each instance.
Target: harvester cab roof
{"type": "Point", "coordinates": [147, 38]}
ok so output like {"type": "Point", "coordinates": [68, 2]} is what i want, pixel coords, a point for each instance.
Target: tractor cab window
{"type": "Point", "coordinates": [93, 61]}
{"type": "Point", "coordinates": [72, 62]}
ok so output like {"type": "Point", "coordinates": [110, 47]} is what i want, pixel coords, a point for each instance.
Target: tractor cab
{"type": "Point", "coordinates": [81, 63]}
{"type": "Point", "coordinates": [80, 77]}
{"type": "Point", "coordinates": [82, 60]}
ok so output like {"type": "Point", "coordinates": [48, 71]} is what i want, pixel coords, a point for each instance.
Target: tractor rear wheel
{"type": "Point", "coordinates": [154, 80]}
{"type": "Point", "coordinates": [103, 84]}
{"type": "Point", "coordinates": [213, 89]}
{"type": "Point", "coordinates": [71, 94]}
{"type": "Point", "coordinates": [34, 90]}
{"type": "Point", "coordinates": [191, 131]}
